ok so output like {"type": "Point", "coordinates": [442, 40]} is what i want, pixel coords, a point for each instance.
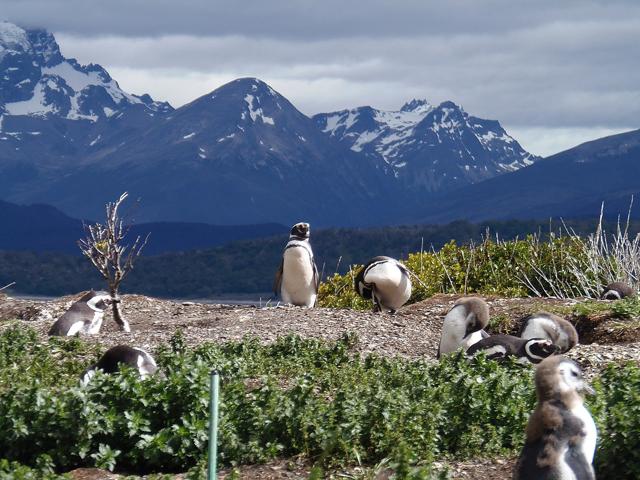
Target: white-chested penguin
{"type": "Point", "coordinates": [297, 278]}
{"type": "Point", "coordinates": [552, 327]}
{"type": "Point", "coordinates": [500, 347]}
{"type": "Point", "coordinates": [463, 325]}
{"type": "Point", "coordinates": [122, 355]}
{"type": "Point", "coordinates": [84, 316]}
{"type": "Point", "coordinates": [386, 282]}
{"type": "Point", "coordinates": [561, 435]}
{"type": "Point", "coordinates": [617, 291]}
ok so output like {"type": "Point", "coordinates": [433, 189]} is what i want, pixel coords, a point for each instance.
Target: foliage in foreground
{"type": "Point", "coordinates": [294, 397]}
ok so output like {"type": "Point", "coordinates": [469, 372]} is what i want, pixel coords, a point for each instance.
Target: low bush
{"type": "Point", "coordinates": [290, 398]}
{"type": "Point", "coordinates": [492, 267]}
{"type": "Point", "coordinates": [616, 409]}
{"type": "Point", "coordinates": [293, 397]}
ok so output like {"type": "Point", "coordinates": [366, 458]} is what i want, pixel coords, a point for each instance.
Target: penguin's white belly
{"type": "Point", "coordinates": [392, 286]}
{"type": "Point", "coordinates": [298, 285]}
{"type": "Point", "coordinates": [591, 433]}
{"type": "Point", "coordinates": [565, 472]}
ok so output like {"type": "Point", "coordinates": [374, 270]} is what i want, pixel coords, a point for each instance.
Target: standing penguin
{"type": "Point", "coordinates": [463, 325]}
{"type": "Point", "coordinates": [561, 435]}
{"type": "Point", "coordinates": [84, 316]}
{"type": "Point", "coordinates": [617, 291]}
{"type": "Point", "coordinates": [385, 281]}
{"type": "Point", "coordinates": [499, 347]}
{"type": "Point", "coordinates": [297, 279]}
{"type": "Point", "coordinates": [552, 327]}
{"type": "Point", "coordinates": [122, 355]}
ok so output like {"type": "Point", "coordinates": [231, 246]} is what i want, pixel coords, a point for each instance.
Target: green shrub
{"type": "Point", "coordinates": [616, 410]}
{"type": "Point", "coordinates": [514, 268]}
{"type": "Point", "coordinates": [289, 398]}
{"type": "Point", "coordinates": [293, 397]}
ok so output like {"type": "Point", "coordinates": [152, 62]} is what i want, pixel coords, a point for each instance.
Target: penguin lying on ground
{"type": "Point", "coordinates": [122, 355]}
{"type": "Point", "coordinates": [297, 279]}
{"type": "Point", "coordinates": [499, 347]}
{"type": "Point", "coordinates": [551, 327]}
{"type": "Point", "coordinates": [84, 316]}
{"type": "Point", "coordinates": [463, 325]}
{"type": "Point", "coordinates": [561, 435]}
{"type": "Point", "coordinates": [386, 282]}
{"type": "Point", "coordinates": [617, 291]}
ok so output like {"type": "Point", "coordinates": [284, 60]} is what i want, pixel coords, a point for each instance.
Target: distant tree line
{"type": "Point", "coordinates": [248, 266]}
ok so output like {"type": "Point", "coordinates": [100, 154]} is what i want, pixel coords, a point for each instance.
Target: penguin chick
{"type": "Point", "coordinates": [617, 291]}
{"type": "Point", "coordinates": [463, 325]}
{"type": "Point", "coordinates": [297, 279]}
{"type": "Point", "coordinates": [561, 434]}
{"type": "Point", "coordinates": [122, 355]}
{"type": "Point", "coordinates": [84, 316]}
{"type": "Point", "coordinates": [386, 282]}
{"type": "Point", "coordinates": [552, 327]}
{"type": "Point", "coordinates": [499, 347]}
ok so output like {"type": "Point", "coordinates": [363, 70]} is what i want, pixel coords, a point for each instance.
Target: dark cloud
{"type": "Point", "coordinates": [539, 67]}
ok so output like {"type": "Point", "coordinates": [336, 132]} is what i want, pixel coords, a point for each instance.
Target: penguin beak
{"type": "Point", "coordinates": [588, 389]}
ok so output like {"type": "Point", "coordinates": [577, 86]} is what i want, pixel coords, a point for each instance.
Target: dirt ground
{"type": "Point", "coordinates": [413, 332]}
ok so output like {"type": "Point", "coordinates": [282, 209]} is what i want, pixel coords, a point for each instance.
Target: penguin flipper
{"type": "Point", "coordinates": [316, 277]}
{"type": "Point", "coordinates": [277, 281]}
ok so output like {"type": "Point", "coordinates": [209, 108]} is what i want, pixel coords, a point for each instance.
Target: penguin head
{"type": "Point", "coordinates": [538, 349]}
{"type": "Point", "coordinates": [97, 300]}
{"type": "Point", "coordinates": [558, 376]}
{"type": "Point", "coordinates": [617, 291]}
{"type": "Point", "coordinates": [300, 230]}
{"type": "Point", "coordinates": [477, 314]}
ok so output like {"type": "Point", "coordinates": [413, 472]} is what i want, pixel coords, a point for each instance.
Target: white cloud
{"type": "Point", "coordinates": [557, 70]}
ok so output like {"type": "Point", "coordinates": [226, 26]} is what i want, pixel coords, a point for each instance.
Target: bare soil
{"type": "Point", "coordinates": [413, 332]}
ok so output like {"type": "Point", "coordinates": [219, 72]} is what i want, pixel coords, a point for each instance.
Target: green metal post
{"type": "Point", "coordinates": [213, 425]}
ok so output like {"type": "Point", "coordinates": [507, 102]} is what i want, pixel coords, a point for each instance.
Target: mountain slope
{"type": "Point", "coordinates": [240, 154]}
{"type": "Point", "coordinates": [571, 184]}
{"type": "Point", "coordinates": [428, 148]}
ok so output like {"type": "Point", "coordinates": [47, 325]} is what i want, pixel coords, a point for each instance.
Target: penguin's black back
{"type": "Point", "coordinates": [120, 354]}
{"type": "Point", "coordinates": [512, 345]}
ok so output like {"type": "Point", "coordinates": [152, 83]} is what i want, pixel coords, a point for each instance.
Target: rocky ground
{"type": "Point", "coordinates": [413, 332]}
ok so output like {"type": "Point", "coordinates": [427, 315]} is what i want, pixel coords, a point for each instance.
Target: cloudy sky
{"type": "Point", "coordinates": [554, 72]}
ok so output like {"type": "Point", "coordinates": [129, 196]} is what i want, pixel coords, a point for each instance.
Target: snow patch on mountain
{"type": "Point", "coordinates": [254, 112]}
{"type": "Point", "coordinates": [38, 81]}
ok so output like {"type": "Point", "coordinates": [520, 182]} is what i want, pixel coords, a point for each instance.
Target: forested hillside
{"type": "Point", "coordinates": [249, 266]}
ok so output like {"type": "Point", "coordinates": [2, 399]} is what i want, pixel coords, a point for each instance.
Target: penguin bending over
{"type": "Point", "coordinates": [561, 435]}
{"type": "Point", "coordinates": [122, 355]}
{"type": "Point", "coordinates": [84, 316]}
{"type": "Point", "coordinates": [499, 347]}
{"type": "Point", "coordinates": [617, 291]}
{"type": "Point", "coordinates": [463, 325]}
{"type": "Point", "coordinates": [552, 327]}
{"type": "Point", "coordinates": [386, 282]}
{"type": "Point", "coordinates": [297, 279]}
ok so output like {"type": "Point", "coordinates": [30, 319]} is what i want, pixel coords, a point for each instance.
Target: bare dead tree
{"type": "Point", "coordinates": [104, 247]}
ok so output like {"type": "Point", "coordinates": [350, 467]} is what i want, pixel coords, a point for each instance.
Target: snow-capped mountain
{"type": "Point", "coordinates": [428, 147]}
{"type": "Point", "coordinates": [38, 81]}
{"type": "Point", "coordinates": [72, 138]}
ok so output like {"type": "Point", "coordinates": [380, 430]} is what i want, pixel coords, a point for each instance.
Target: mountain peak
{"type": "Point", "coordinates": [38, 81]}
{"type": "Point", "coordinates": [12, 37]}
{"type": "Point", "coordinates": [414, 104]}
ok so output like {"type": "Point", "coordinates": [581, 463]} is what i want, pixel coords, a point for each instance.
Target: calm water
{"type": "Point", "coordinates": [257, 299]}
